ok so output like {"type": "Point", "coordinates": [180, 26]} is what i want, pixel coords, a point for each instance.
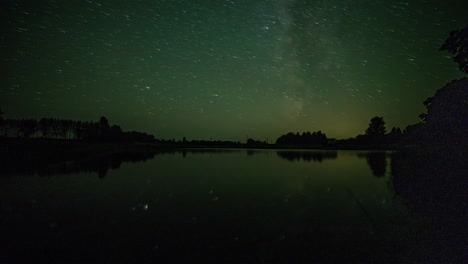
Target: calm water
{"type": "Point", "coordinates": [241, 206]}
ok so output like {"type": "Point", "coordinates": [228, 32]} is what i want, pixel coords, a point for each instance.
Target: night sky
{"type": "Point", "coordinates": [226, 69]}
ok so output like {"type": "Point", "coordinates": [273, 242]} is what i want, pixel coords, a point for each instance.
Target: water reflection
{"type": "Point", "coordinates": [434, 185]}
{"type": "Point", "coordinates": [377, 162]}
{"type": "Point", "coordinates": [241, 207]}
{"type": "Point", "coordinates": [251, 152]}
{"type": "Point", "coordinates": [434, 182]}
{"type": "Point", "coordinates": [315, 156]}
{"type": "Point", "coordinates": [99, 164]}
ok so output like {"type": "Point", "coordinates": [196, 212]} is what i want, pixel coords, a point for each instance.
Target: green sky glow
{"type": "Point", "coordinates": [226, 69]}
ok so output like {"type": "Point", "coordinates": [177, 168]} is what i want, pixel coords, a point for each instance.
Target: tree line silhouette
{"type": "Point", "coordinates": [376, 134]}
{"type": "Point", "coordinates": [315, 138]}
{"type": "Point", "coordinates": [52, 128]}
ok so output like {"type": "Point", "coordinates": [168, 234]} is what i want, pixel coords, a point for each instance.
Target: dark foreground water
{"type": "Point", "coordinates": [234, 206]}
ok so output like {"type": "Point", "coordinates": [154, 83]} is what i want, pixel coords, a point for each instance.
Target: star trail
{"type": "Point", "coordinates": [226, 69]}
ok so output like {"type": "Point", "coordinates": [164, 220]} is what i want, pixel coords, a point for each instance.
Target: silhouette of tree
{"type": "Point", "coordinates": [114, 133]}
{"type": "Point", "coordinates": [457, 44]}
{"type": "Point", "coordinates": [44, 127]}
{"type": "Point", "coordinates": [9, 128]}
{"type": "Point", "coordinates": [446, 120]}
{"type": "Point", "coordinates": [395, 136]}
{"type": "Point", "coordinates": [70, 130]}
{"type": "Point", "coordinates": [304, 138]}
{"type": "Point", "coordinates": [412, 133]}
{"type": "Point", "coordinates": [92, 132]}
{"type": "Point", "coordinates": [376, 127]}
{"type": "Point", "coordinates": [376, 130]}
{"type": "Point", "coordinates": [396, 131]}
{"type": "Point", "coordinates": [103, 123]}
{"type": "Point", "coordinates": [253, 142]}
{"type": "Point", "coordinates": [27, 127]}
{"type": "Point", "coordinates": [1, 122]}
{"type": "Point", "coordinates": [103, 128]}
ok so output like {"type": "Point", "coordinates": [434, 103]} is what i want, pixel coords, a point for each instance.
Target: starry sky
{"type": "Point", "coordinates": [226, 69]}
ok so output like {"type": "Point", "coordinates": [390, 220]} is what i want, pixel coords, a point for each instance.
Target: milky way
{"type": "Point", "coordinates": [226, 69]}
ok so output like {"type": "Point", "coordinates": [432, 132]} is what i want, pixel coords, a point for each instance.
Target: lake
{"type": "Point", "coordinates": [227, 206]}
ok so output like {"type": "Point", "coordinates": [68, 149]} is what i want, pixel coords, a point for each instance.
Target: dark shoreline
{"type": "Point", "coordinates": [43, 153]}
{"type": "Point", "coordinates": [54, 144]}
{"type": "Point", "coordinates": [48, 156]}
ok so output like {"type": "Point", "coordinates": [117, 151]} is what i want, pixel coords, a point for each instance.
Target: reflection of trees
{"type": "Point", "coordinates": [100, 163]}
{"type": "Point", "coordinates": [434, 185]}
{"type": "Point", "coordinates": [377, 162]}
{"type": "Point", "coordinates": [316, 156]}
{"type": "Point", "coordinates": [434, 182]}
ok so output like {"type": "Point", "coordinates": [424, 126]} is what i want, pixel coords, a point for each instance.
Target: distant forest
{"type": "Point", "coordinates": [376, 133]}
{"type": "Point", "coordinates": [101, 131]}
{"type": "Point", "coordinates": [51, 128]}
